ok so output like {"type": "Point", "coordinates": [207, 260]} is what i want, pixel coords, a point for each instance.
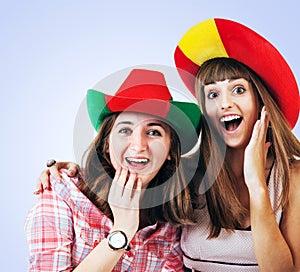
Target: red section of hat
{"type": "Point", "coordinates": [146, 84]}
{"type": "Point", "coordinates": [278, 76]}
{"type": "Point", "coordinates": [183, 65]}
{"type": "Point", "coordinates": [142, 91]}
{"type": "Point", "coordinates": [159, 108]}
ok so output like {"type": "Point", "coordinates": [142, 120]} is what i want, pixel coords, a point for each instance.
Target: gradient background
{"type": "Point", "coordinates": [51, 51]}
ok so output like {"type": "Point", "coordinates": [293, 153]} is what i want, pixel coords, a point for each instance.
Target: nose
{"type": "Point", "coordinates": [226, 101]}
{"type": "Point", "coordinates": [138, 140]}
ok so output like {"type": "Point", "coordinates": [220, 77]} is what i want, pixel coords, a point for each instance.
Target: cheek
{"type": "Point", "coordinates": [211, 111]}
{"type": "Point", "coordinates": [160, 151]}
{"type": "Point", "coordinates": [210, 108]}
{"type": "Point", "coordinates": [115, 150]}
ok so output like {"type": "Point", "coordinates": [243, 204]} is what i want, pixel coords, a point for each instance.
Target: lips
{"type": "Point", "coordinates": [137, 162]}
{"type": "Point", "coordinates": [231, 122]}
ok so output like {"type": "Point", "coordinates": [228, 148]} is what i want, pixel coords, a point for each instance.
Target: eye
{"type": "Point", "coordinates": [154, 132]}
{"type": "Point", "coordinates": [212, 94]}
{"type": "Point", "coordinates": [239, 90]}
{"type": "Point", "coordinates": [125, 131]}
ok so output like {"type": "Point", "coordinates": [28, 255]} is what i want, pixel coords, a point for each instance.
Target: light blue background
{"type": "Point", "coordinates": [51, 51]}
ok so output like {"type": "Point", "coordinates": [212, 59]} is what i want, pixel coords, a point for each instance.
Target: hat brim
{"type": "Point", "coordinates": [183, 117]}
{"type": "Point", "coordinates": [224, 38]}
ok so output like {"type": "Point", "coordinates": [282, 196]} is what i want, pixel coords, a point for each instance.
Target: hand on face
{"type": "Point", "coordinates": [124, 200]}
{"type": "Point", "coordinates": [256, 153]}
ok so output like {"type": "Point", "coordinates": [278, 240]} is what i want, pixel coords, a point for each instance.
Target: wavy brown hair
{"type": "Point", "coordinates": [225, 209]}
{"type": "Point", "coordinates": [176, 207]}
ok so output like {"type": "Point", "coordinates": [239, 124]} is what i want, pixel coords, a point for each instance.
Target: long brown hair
{"type": "Point", "coordinates": [176, 206]}
{"type": "Point", "coordinates": [225, 209]}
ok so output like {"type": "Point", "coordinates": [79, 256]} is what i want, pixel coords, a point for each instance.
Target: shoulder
{"type": "Point", "coordinates": [295, 167]}
{"type": "Point", "coordinates": [67, 188]}
{"type": "Point", "coordinates": [68, 192]}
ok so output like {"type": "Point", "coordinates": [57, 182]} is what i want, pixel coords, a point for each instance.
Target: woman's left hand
{"type": "Point", "coordinates": [256, 153]}
{"type": "Point", "coordinates": [124, 200]}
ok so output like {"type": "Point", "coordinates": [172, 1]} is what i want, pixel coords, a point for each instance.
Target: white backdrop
{"type": "Point", "coordinates": [51, 51]}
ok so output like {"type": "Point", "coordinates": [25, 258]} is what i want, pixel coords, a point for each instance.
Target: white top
{"type": "Point", "coordinates": [231, 251]}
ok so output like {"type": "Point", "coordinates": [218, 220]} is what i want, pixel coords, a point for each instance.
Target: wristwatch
{"type": "Point", "coordinates": [118, 240]}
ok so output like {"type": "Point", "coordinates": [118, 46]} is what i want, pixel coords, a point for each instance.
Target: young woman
{"type": "Point", "coordinates": [123, 215]}
{"type": "Point", "coordinates": [248, 215]}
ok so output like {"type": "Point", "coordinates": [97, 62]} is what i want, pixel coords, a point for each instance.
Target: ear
{"type": "Point", "coordinates": [169, 157]}
{"type": "Point", "coordinates": [106, 148]}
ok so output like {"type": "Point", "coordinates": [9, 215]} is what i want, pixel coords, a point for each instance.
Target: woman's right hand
{"type": "Point", "coordinates": [43, 182]}
{"type": "Point", "coordinates": [124, 200]}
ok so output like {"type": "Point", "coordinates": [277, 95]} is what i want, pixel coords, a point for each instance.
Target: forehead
{"type": "Point", "coordinates": [136, 118]}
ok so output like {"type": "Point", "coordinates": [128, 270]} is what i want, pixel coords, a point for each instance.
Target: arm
{"type": "Point", "coordinates": [49, 228]}
{"type": "Point", "coordinates": [123, 199]}
{"type": "Point", "coordinates": [275, 249]}
{"type": "Point", "coordinates": [49, 232]}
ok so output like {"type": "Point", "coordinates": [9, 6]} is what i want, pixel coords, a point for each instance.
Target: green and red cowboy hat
{"type": "Point", "coordinates": [218, 37]}
{"type": "Point", "coordinates": [146, 91]}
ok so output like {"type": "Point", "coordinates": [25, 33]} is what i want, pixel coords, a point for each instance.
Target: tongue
{"type": "Point", "coordinates": [230, 126]}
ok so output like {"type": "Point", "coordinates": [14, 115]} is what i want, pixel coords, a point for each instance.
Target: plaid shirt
{"type": "Point", "coordinates": [64, 226]}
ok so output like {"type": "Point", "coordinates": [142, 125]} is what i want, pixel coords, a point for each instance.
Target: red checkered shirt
{"type": "Point", "coordinates": [64, 226]}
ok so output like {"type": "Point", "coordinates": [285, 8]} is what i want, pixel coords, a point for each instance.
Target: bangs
{"type": "Point", "coordinates": [219, 69]}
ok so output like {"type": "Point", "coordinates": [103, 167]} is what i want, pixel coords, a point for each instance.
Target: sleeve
{"type": "Point", "coordinates": [48, 229]}
{"type": "Point", "coordinates": [174, 261]}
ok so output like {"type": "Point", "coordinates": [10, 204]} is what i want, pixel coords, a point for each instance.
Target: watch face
{"type": "Point", "coordinates": [117, 240]}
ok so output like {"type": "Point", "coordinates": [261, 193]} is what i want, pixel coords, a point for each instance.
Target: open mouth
{"type": "Point", "coordinates": [137, 161]}
{"type": "Point", "coordinates": [231, 122]}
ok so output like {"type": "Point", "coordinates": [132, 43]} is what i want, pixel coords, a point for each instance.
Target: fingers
{"type": "Point", "coordinates": [129, 189]}
{"type": "Point", "coordinates": [54, 171]}
{"type": "Point", "coordinates": [73, 169]}
{"type": "Point", "coordinates": [260, 128]}
{"type": "Point", "coordinates": [125, 190]}
{"type": "Point", "coordinates": [265, 122]}
{"type": "Point", "coordinates": [43, 182]}
{"type": "Point", "coordinates": [267, 146]}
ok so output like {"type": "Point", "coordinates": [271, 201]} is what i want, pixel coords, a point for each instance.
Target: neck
{"type": "Point", "coordinates": [235, 158]}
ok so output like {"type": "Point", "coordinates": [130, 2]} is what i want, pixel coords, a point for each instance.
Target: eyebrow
{"type": "Point", "coordinates": [231, 80]}
{"type": "Point", "coordinates": [156, 124]}
{"type": "Point", "coordinates": [124, 123]}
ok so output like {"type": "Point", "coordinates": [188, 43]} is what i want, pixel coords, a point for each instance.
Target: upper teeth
{"type": "Point", "coordinates": [229, 118]}
{"type": "Point", "coordinates": [137, 160]}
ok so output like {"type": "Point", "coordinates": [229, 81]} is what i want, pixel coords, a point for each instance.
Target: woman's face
{"type": "Point", "coordinates": [232, 107]}
{"type": "Point", "coordinates": [140, 143]}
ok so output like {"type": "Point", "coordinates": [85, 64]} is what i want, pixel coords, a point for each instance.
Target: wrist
{"type": "Point", "coordinates": [256, 183]}
{"type": "Point", "coordinates": [258, 192]}
{"type": "Point", "coordinates": [128, 232]}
